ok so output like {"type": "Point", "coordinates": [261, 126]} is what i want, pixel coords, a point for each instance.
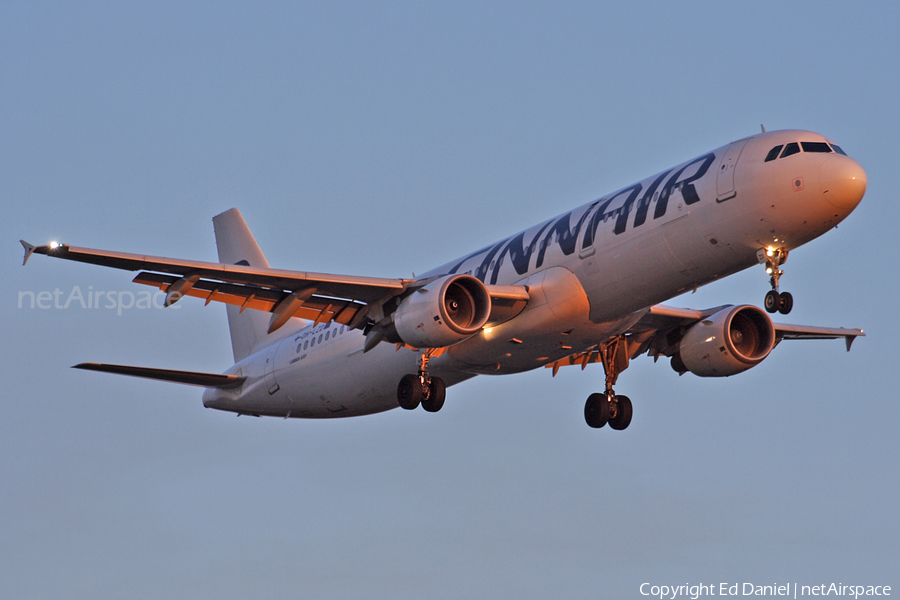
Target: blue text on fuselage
{"type": "Point", "coordinates": [617, 206]}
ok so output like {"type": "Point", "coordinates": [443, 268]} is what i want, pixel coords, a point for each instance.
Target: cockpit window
{"type": "Point", "coordinates": [815, 147]}
{"type": "Point", "coordinates": [792, 148]}
{"type": "Point", "coordinates": [773, 153]}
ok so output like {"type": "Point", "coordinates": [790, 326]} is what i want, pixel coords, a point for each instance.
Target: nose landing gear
{"type": "Point", "coordinates": [776, 301]}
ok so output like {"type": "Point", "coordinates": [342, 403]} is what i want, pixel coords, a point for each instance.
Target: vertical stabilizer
{"type": "Point", "coordinates": [237, 245]}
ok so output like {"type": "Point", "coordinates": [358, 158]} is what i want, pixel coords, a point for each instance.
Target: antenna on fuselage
{"type": "Point", "coordinates": [763, 127]}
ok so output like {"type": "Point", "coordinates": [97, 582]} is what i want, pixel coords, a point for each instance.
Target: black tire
{"type": "Point", "coordinates": [623, 414]}
{"type": "Point", "coordinates": [772, 301]}
{"type": "Point", "coordinates": [409, 392]}
{"type": "Point", "coordinates": [596, 410]}
{"type": "Point", "coordinates": [437, 391]}
{"type": "Point", "coordinates": [785, 303]}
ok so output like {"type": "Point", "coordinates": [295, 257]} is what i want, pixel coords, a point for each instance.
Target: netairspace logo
{"type": "Point", "coordinates": [93, 299]}
{"type": "Point", "coordinates": [791, 590]}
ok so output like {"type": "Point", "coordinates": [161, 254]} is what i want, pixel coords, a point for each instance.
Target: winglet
{"type": "Point", "coordinates": [29, 250]}
{"type": "Point", "coordinates": [849, 340]}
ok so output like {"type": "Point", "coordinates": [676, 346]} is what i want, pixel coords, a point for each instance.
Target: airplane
{"type": "Point", "coordinates": [584, 287]}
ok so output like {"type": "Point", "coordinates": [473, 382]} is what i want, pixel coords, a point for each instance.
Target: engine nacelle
{"type": "Point", "coordinates": [444, 312]}
{"type": "Point", "coordinates": [727, 343]}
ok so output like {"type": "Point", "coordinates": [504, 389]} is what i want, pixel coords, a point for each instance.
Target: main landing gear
{"type": "Point", "coordinates": [421, 388]}
{"type": "Point", "coordinates": [776, 301]}
{"type": "Point", "coordinates": [607, 407]}
{"type": "Point", "coordinates": [601, 409]}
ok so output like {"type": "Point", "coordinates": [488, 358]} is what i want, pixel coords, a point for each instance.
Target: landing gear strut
{"type": "Point", "coordinates": [607, 407]}
{"type": "Point", "coordinates": [777, 301]}
{"type": "Point", "coordinates": [421, 388]}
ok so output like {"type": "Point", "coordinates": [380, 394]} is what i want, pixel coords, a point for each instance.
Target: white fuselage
{"type": "Point", "coordinates": [591, 274]}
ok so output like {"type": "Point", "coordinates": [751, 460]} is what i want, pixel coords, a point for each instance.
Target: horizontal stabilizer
{"type": "Point", "coordinates": [29, 250]}
{"type": "Point", "coordinates": [208, 380]}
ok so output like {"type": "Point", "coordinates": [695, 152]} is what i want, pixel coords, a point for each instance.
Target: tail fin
{"type": "Point", "coordinates": [237, 245]}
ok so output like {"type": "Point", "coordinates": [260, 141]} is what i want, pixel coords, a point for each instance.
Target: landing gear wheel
{"type": "Point", "coordinates": [622, 419]}
{"type": "Point", "coordinates": [773, 301]}
{"type": "Point", "coordinates": [437, 391]}
{"type": "Point", "coordinates": [785, 302]}
{"type": "Point", "coordinates": [596, 410]}
{"type": "Point", "coordinates": [409, 392]}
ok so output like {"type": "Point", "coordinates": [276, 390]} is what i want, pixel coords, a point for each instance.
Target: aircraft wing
{"type": "Point", "coordinates": [660, 329]}
{"type": "Point", "coordinates": [318, 297]}
{"type": "Point", "coordinates": [668, 318]}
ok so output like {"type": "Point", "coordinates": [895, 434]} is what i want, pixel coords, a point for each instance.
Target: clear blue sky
{"type": "Point", "coordinates": [386, 138]}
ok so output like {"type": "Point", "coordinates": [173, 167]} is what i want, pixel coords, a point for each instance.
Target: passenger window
{"type": "Point", "coordinates": [342, 330]}
{"type": "Point", "coordinates": [320, 338]}
{"type": "Point", "coordinates": [792, 148]}
{"type": "Point", "coordinates": [773, 153]}
{"type": "Point", "coordinates": [312, 343]}
{"type": "Point", "coordinates": [306, 344]}
{"type": "Point", "coordinates": [838, 149]}
{"type": "Point", "coordinates": [327, 334]}
{"type": "Point", "coordinates": [815, 147]}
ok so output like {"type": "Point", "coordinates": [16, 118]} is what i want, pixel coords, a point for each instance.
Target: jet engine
{"type": "Point", "coordinates": [727, 343]}
{"type": "Point", "coordinates": [444, 312]}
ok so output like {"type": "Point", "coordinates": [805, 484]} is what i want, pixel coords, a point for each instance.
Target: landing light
{"type": "Point", "coordinates": [770, 251]}
{"type": "Point", "coordinates": [54, 245]}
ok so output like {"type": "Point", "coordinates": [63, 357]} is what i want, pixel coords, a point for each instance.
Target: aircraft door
{"type": "Point", "coordinates": [725, 176]}
{"type": "Point", "coordinates": [586, 240]}
{"type": "Point", "coordinates": [271, 384]}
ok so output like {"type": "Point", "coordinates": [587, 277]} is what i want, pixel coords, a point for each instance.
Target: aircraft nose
{"type": "Point", "coordinates": [843, 182]}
